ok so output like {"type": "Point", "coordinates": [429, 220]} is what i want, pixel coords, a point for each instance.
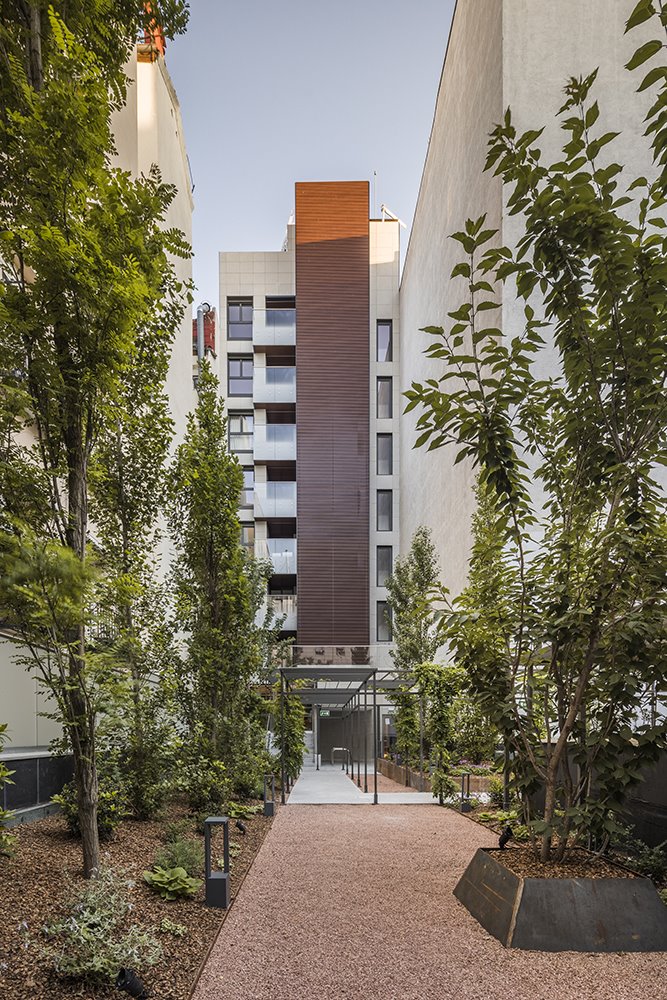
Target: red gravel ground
{"type": "Point", "coordinates": [355, 903]}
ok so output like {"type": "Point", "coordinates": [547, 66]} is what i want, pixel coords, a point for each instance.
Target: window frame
{"type": "Point", "coordinates": [389, 353]}
{"type": "Point", "coordinates": [384, 435]}
{"type": "Point", "coordinates": [242, 359]}
{"type": "Point", "coordinates": [246, 325]}
{"type": "Point", "coordinates": [383, 621]}
{"type": "Point", "coordinates": [380, 493]}
{"type": "Point", "coordinates": [384, 380]}
{"type": "Point", "coordinates": [384, 548]}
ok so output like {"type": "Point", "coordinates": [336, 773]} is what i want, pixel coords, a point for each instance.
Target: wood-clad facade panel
{"type": "Point", "coordinates": [332, 392]}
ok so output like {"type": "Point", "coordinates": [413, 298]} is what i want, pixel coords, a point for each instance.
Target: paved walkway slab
{"type": "Point", "coordinates": [356, 904]}
{"type": "Point", "coordinates": [331, 785]}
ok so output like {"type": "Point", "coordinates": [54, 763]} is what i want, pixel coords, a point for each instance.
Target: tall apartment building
{"type": "Point", "coordinates": [309, 348]}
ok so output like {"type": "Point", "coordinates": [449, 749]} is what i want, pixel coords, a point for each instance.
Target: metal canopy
{"type": "Point", "coordinates": [324, 696]}
{"type": "Point", "coordinates": [329, 672]}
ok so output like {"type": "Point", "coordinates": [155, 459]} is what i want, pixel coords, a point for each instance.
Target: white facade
{"type": "Point", "coordinates": [516, 53]}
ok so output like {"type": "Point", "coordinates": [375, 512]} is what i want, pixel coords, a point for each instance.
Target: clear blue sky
{"type": "Point", "coordinates": [278, 91]}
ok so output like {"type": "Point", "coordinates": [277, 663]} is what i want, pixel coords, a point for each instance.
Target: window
{"type": "Point", "coordinates": [240, 432]}
{"type": "Point", "coordinates": [384, 510]}
{"type": "Point", "coordinates": [239, 319]}
{"type": "Point", "coordinates": [239, 372]}
{"type": "Point", "coordinates": [384, 400]}
{"type": "Point", "coordinates": [384, 339]}
{"type": "Point", "coordinates": [248, 536]}
{"type": "Point", "coordinates": [384, 558]}
{"type": "Point", "coordinates": [385, 462]}
{"type": "Point", "coordinates": [383, 622]}
{"type": "Point", "coordinates": [247, 493]}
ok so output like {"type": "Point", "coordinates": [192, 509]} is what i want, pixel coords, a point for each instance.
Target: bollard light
{"type": "Point", "coordinates": [216, 883]}
{"type": "Point", "coordinates": [269, 804]}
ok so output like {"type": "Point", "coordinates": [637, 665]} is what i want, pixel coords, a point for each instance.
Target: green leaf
{"type": "Point", "coordinates": [644, 52]}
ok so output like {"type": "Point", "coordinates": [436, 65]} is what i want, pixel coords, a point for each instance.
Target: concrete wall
{"type": "Point", "coordinates": [501, 52]}
{"type": "Point", "coordinates": [453, 188]}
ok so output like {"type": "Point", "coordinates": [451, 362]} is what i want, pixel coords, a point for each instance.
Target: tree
{"type": "Point", "coordinates": [84, 259]}
{"type": "Point", "coordinates": [569, 458]}
{"type": "Point", "coordinates": [438, 686]}
{"type": "Point", "coordinates": [414, 633]}
{"type": "Point", "coordinates": [219, 588]}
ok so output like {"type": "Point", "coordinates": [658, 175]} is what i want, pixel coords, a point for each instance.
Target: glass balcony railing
{"type": "Point", "coordinates": [285, 604]}
{"type": "Point", "coordinates": [275, 443]}
{"type": "Point", "coordinates": [375, 657]}
{"type": "Point", "coordinates": [274, 327]}
{"type": "Point", "coordinates": [274, 384]}
{"type": "Point", "coordinates": [275, 500]}
{"type": "Point", "coordinates": [281, 552]}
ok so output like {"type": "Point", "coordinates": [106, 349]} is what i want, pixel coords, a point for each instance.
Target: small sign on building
{"type": "Point", "coordinates": [324, 713]}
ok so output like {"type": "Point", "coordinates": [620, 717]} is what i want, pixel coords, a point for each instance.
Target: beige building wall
{"type": "Point", "coordinates": [434, 492]}
{"type": "Point", "coordinates": [147, 130]}
{"type": "Point", "coordinates": [501, 52]}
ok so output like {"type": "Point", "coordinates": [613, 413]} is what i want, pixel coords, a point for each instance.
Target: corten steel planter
{"type": "Point", "coordinates": [562, 914]}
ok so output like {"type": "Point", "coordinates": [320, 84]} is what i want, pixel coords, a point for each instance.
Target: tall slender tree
{"type": "Point", "coordinates": [84, 260]}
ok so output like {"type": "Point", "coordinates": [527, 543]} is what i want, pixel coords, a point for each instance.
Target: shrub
{"type": "Point", "coordinates": [497, 792]}
{"type": "Point", "coordinates": [172, 883]}
{"type": "Point", "coordinates": [182, 853]}
{"type": "Point", "coordinates": [7, 839]}
{"type": "Point", "coordinates": [90, 943]}
{"type": "Point", "coordinates": [651, 862]}
{"type": "Point", "coordinates": [238, 810]}
{"type": "Point", "coordinates": [207, 786]}
{"type": "Point", "coordinates": [178, 830]}
{"type": "Point", "coordinates": [111, 807]}
{"type": "Point", "coordinates": [442, 784]}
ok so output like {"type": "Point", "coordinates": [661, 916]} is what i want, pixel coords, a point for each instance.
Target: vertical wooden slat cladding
{"type": "Point", "coordinates": [332, 301]}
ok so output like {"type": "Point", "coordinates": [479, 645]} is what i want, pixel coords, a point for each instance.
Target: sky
{"type": "Point", "coordinates": [278, 91]}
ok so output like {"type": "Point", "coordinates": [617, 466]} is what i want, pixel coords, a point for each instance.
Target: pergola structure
{"type": "Point", "coordinates": [344, 688]}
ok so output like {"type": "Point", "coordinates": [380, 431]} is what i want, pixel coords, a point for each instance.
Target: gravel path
{"type": "Point", "coordinates": [355, 903]}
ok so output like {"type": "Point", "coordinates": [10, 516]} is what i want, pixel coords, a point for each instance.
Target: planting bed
{"type": "Point", "coordinates": [38, 879]}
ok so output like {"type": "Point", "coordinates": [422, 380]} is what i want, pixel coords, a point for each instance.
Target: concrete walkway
{"type": "Point", "coordinates": [330, 785]}
{"type": "Point", "coordinates": [356, 904]}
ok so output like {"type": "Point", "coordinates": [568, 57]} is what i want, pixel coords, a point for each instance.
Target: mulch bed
{"type": "Point", "coordinates": [578, 864]}
{"type": "Point", "coordinates": [36, 882]}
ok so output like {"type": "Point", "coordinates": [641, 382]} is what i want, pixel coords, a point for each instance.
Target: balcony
{"type": "Point", "coordinates": [285, 604]}
{"type": "Point", "coordinates": [276, 500]}
{"type": "Point", "coordinates": [274, 327]}
{"type": "Point", "coordinates": [274, 384]}
{"type": "Point", "coordinates": [375, 657]}
{"type": "Point", "coordinates": [281, 552]}
{"type": "Point", "coordinates": [275, 443]}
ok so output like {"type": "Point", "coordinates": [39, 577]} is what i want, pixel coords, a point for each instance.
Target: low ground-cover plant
{"type": "Point", "coordinates": [172, 883]}
{"type": "Point", "coordinates": [92, 942]}
{"type": "Point", "coordinates": [181, 853]}
{"type": "Point", "coordinates": [168, 926]}
{"type": "Point", "coordinates": [239, 810]}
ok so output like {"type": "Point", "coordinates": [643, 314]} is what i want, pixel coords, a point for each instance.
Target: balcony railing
{"type": "Point", "coordinates": [281, 552]}
{"type": "Point", "coordinates": [275, 500]}
{"type": "Point", "coordinates": [375, 656]}
{"type": "Point", "coordinates": [274, 384]}
{"type": "Point", "coordinates": [274, 327]}
{"type": "Point", "coordinates": [275, 443]}
{"type": "Point", "coordinates": [285, 604]}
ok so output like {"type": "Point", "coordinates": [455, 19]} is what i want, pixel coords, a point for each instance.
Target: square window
{"type": "Point", "coordinates": [384, 340]}
{"type": "Point", "coordinates": [240, 432]}
{"type": "Point", "coordinates": [383, 622]}
{"type": "Point", "coordinates": [384, 398]}
{"type": "Point", "coordinates": [384, 560]}
{"type": "Point", "coordinates": [239, 376]}
{"type": "Point", "coordinates": [384, 510]}
{"type": "Point", "coordinates": [385, 461]}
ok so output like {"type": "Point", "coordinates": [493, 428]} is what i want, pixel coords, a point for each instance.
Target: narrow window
{"type": "Point", "coordinates": [384, 339]}
{"type": "Point", "coordinates": [384, 400]}
{"type": "Point", "coordinates": [384, 510]}
{"type": "Point", "coordinates": [239, 371]}
{"type": "Point", "coordinates": [384, 555]}
{"type": "Point", "coordinates": [248, 536]}
{"type": "Point", "coordinates": [239, 319]}
{"type": "Point", "coordinates": [248, 491]}
{"type": "Point", "coordinates": [383, 622]}
{"type": "Point", "coordinates": [385, 463]}
{"type": "Point", "coordinates": [240, 432]}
